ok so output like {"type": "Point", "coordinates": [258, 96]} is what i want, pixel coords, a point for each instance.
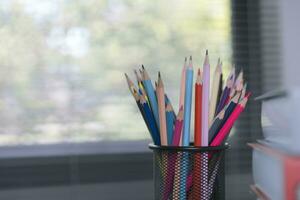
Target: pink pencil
{"type": "Point", "coordinates": [178, 128]}
{"type": "Point", "coordinates": [182, 84]}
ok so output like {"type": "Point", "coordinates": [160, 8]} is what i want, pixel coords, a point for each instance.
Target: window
{"type": "Point", "coordinates": [62, 63]}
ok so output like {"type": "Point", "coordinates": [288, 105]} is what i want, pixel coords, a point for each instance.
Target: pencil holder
{"type": "Point", "coordinates": [189, 172]}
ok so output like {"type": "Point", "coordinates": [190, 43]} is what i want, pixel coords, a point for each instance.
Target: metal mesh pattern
{"type": "Point", "coordinates": [189, 173]}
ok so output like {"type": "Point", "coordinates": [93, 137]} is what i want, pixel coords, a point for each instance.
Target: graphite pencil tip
{"type": "Point", "coordinates": [206, 52]}
{"type": "Point", "coordinates": [143, 67]}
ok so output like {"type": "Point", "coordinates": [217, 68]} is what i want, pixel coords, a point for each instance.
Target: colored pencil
{"type": "Point", "coordinates": [182, 84]}
{"type": "Point", "coordinates": [219, 139]}
{"type": "Point", "coordinates": [160, 92]}
{"type": "Point", "coordinates": [215, 91]}
{"type": "Point", "coordinates": [151, 95]}
{"type": "Point", "coordinates": [187, 104]}
{"type": "Point", "coordinates": [198, 110]}
{"type": "Point", "coordinates": [205, 100]}
{"type": "Point", "coordinates": [136, 97]}
{"type": "Point", "coordinates": [170, 122]}
{"type": "Point", "coordinates": [222, 117]}
{"type": "Point", "coordinates": [226, 91]}
{"type": "Point", "coordinates": [243, 93]}
{"type": "Point", "coordinates": [186, 125]}
{"type": "Point", "coordinates": [150, 120]}
{"type": "Point", "coordinates": [220, 93]}
{"type": "Point", "coordinates": [238, 85]}
{"type": "Point", "coordinates": [197, 137]}
{"type": "Point", "coordinates": [178, 127]}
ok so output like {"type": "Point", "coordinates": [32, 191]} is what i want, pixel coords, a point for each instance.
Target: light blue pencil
{"type": "Point", "coordinates": [187, 104]}
{"type": "Point", "coordinates": [151, 95]}
{"type": "Point", "coordinates": [186, 126]}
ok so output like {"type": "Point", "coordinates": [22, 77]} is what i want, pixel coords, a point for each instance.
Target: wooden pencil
{"type": "Point", "coordinates": [178, 127]}
{"type": "Point", "coordinates": [170, 118]}
{"type": "Point", "coordinates": [182, 84]}
{"type": "Point", "coordinates": [222, 118]}
{"type": "Point", "coordinates": [150, 120]}
{"type": "Point", "coordinates": [136, 96]}
{"type": "Point", "coordinates": [220, 92]}
{"type": "Point", "coordinates": [219, 139]}
{"type": "Point", "coordinates": [151, 95]}
{"type": "Point", "coordinates": [187, 104]}
{"type": "Point", "coordinates": [160, 92]}
{"type": "Point", "coordinates": [215, 91]}
{"type": "Point", "coordinates": [205, 100]}
{"type": "Point", "coordinates": [198, 110]}
{"type": "Point", "coordinates": [226, 91]}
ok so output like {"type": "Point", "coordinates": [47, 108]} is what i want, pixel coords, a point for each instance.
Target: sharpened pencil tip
{"type": "Point", "coordinates": [159, 75]}
{"type": "Point", "coordinates": [191, 58]}
{"type": "Point", "coordinates": [126, 75]}
{"type": "Point", "coordinates": [185, 59]}
{"type": "Point", "coordinates": [206, 52]}
{"type": "Point", "coordinates": [143, 66]}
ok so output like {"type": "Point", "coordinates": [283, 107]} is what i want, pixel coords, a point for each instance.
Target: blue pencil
{"type": "Point", "coordinates": [186, 126]}
{"type": "Point", "coordinates": [151, 95]}
{"type": "Point", "coordinates": [170, 123]}
{"type": "Point", "coordinates": [150, 121]}
{"type": "Point", "coordinates": [187, 104]}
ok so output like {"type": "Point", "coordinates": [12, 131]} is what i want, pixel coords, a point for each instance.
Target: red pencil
{"type": "Point", "coordinates": [198, 110]}
{"type": "Point", "coordinates": [218, 140]}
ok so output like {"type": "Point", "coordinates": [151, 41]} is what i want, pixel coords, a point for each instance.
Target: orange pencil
{"type": "Point", "coordinates": [198, 110]}
{"type": "Point", "coordinates": [160, 93]}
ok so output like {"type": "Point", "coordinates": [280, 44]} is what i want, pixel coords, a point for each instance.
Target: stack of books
{"type": "Point", "coordinates": [276, 158]}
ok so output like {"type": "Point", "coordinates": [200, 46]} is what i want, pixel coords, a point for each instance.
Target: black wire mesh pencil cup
{"type": "Point", "coordinates": [189, 172]}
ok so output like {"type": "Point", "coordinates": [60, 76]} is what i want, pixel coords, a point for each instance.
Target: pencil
{"type": "Point", "coordinates": [170, 122]}
{"type": "Point", "coordinates": [219, 139]}
{"type": "Point", "coordinates": [151, 95]}
{"type": "Point", "coordinates": [243, 93]}
{"type": "Point", "coordinates": [182, 84]}
{"type": "Point", "coordinates": [151, 121]}
{"type": "Point", "coordinates": [238, 85]}
{"type": "Point", "coordinates": [186, 125]}
{"type": "Point", "coordinates": [222, 117]}
{"type": "Point", "coordinates": [198, 110]}
{"type": "Point", "coordinates": [136, 97]}
{"type": "Point", "coordinates": [196, 190]}
{"type": "Point", "coordinates": [220, 93]}
{"type": "Point", "coordinates": [205, 100]}
{"type": "Point", "coordinates": [215, 91]}
{"type": "Point", "coordinates": [178, 128]}
{"type": "Point", "coordinates": [187, 104]}
{"type": "Point", "coordinates": [226, 91]}
{"type": "Point", "coordinates": [160, 92]}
